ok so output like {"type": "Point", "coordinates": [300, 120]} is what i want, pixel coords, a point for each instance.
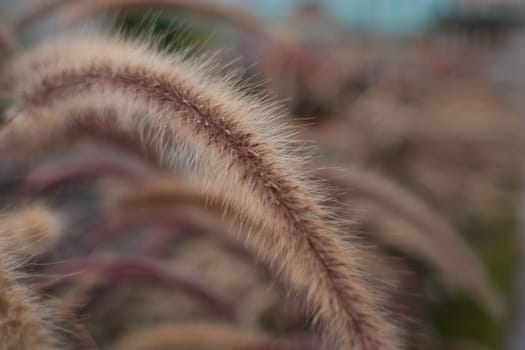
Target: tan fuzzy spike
{"type": "Point", "coordinates": [22, 324]}
{"type": "Point", "coordinates": [201, 336]}
{"type": "Point", "coordinates": [27, 321]}
{"type": "Point", "coordinates": [31, 230]}
{"type": "Point", "coordinates": [171, 197]}
{"type": "Point", "coordinates": [423, 233]}
{"type": "Point", "coordinates": [168, 109]}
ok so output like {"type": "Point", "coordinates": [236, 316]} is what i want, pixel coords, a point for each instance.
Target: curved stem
{"type": "Point", "coordinates": [137, 269]}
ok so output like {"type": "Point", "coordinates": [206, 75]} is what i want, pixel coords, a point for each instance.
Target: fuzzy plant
{"type": "Point", "coordinates": [165, 106]}
{"type": "Point", "coordinates": [124, 163]}
{"type": "Point", "coordinates": [28, 321]}
{"type": "Point", "coordinates": [173, 202]}
{"type": "Point", "coordinates": [30, 230]}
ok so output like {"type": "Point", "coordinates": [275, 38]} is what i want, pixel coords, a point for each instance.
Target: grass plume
{"type": "Point", "coordinates": [30, 230]}
{"type": "Point", "coordinates": [29, 322]}
{"type": "Point", "coordinates": [174, 107]}
{"type": "Point", "coordinates": [23, 322]}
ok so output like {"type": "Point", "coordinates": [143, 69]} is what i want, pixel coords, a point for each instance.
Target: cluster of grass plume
{"type": "Point", "coordinates": [168, 104]}
{"type": "Point", "coordinates": [196, 155]}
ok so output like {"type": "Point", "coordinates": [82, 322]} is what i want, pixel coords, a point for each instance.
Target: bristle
{"type": "Point", "coordinates": [233, 145]}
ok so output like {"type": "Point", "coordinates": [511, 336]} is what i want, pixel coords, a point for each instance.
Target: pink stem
{"type": "Point", "coordinates": [136, 269]}
{"type": "Point", "coordinates": [74, 168]}
{"type": "Point", "coordinates": [180, 219]}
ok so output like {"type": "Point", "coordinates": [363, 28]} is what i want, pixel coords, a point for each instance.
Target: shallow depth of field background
{"type": "Point", "coordinates": [428, 93]}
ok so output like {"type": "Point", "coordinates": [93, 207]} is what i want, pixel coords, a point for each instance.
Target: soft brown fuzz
{"type": "Point", "coordinates": [30, 230]}
{"type": "Point", "coordinates": [166, 107]}
{"type": "Point", "coordinates": [24, 322]}
{"type": "Point", "coordinates": [27, 321]}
